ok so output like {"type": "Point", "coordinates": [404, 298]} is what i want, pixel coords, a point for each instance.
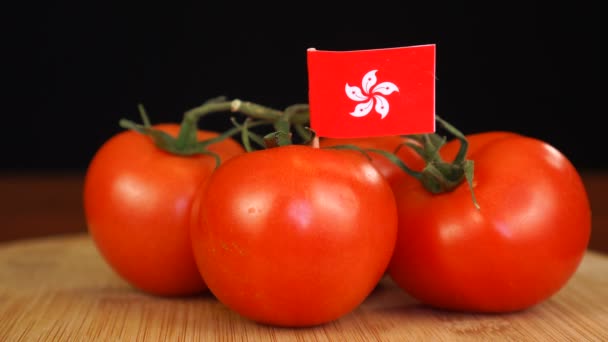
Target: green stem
{"type": "Point", "coordinates": [187, 133]}
{"type": "Point", "coordinates": [144, 116]}
{"type": "Point", "coordinates": [229, 133]}
{"type": "Point", "coordinates": [464, 143]}
{"type": "Point", "coordinates": [305, 134]}
{"type": "Point", "coordinates": [397, 161]}
{"type": "Point", "coordinates": [186, 142]}
{"type": "Point", "coordinates": [282, 135]}
{"type": "Point", "coordinates": [250, 109]}
{"type": "Point", "coordinates": [439, 176]}
{"type": "Point", "coordinates": [246, 135]}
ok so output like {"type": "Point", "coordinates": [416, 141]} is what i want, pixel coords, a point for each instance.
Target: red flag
{"type": "Point", "coordinates": [376, 92]}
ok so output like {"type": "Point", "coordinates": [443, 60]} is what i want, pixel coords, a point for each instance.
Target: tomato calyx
{"type": "Point", "coordinates": [163, 140]}
{"type": "Point", "coordinates": [439, 176]}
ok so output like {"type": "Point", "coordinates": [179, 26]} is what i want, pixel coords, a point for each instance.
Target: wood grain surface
{"type": "Point", "coordinates": [60, 289]}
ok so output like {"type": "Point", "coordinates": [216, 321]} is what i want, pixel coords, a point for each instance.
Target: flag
{"type": "Point", "coordinates": [376, 92]}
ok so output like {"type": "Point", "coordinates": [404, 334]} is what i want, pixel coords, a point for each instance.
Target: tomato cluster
{"type": "Point", "coordinates": [299, 235]}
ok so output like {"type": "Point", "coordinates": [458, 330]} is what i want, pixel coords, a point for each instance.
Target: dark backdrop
{"type": "Point", "coordinates": [73, 70]}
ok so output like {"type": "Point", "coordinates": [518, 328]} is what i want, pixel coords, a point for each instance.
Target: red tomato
{"type": "Point", "coordinates": [522, 245]}
{"type": "Point", "coordinates": [475, 141]}
{"type": "Point", "coordinates": [294, 235]}
{"type": "Point", "coordinates": [137, 200]}
{"type": "Point", "coordinates": [391, 172]}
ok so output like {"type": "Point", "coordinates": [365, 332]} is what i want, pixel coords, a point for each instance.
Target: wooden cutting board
{"type": "Point", "coordinates": [59, 289]}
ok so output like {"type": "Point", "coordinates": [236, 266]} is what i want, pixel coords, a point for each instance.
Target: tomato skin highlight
{"type": "Point", "coordinates": [519, 249]}
{"type": "Point", "coordinates": [137, 201]}
{"type": "Point", "coordinates": [294, 236]}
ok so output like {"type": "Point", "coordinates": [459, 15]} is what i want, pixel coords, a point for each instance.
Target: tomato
{"type": "Point", "coordinates": [518, 249]}
{"type": "Point", "coordinates": [391, 172]}
{"type": "Point", "coordinates": [137, 201]}
{"type": "Point", "coordinates": [294, 235]}
{"type": "Point", "coordinates": [475, 141]}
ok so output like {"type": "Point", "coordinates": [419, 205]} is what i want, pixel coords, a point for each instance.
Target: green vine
{"type": "Point", "coordinates": [438, 176]}
{"type": "Point", "coordinates": [186, 142]}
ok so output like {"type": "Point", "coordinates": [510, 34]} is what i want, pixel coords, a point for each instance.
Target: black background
{"type": "Point", "coordinates": [72, 70]}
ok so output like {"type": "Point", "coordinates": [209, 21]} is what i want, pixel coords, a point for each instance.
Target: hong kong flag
{"type": "Point", "coordinates": [376, 92]}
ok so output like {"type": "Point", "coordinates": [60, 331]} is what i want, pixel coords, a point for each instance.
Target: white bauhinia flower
{"type": "Point", "coordinates": [370, 96]}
